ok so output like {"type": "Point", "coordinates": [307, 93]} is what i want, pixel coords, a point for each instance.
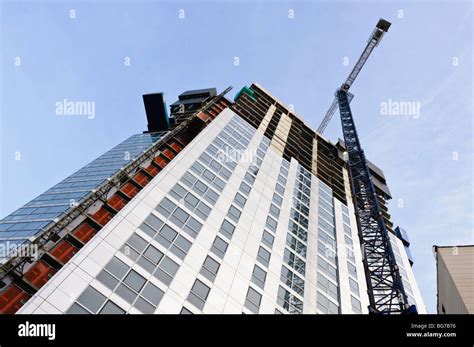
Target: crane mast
{"type": "Point", "coordinates": [384, 283]}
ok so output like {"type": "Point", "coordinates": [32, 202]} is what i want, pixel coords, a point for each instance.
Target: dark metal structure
{"type": "Point", "coordinates": [380, 29]}
{"type": "Point", "coordinates": [384, 284]}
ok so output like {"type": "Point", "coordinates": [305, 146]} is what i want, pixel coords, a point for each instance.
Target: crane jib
{"type": "Point", "coordinates": [380, 29]}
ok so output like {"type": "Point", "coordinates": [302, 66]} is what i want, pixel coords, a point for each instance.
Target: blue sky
{"type": "Point", "coordinates": [425, 58]}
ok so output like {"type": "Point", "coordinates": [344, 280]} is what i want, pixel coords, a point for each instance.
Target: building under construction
{"type": "Point", "coordinates": [219, 206]}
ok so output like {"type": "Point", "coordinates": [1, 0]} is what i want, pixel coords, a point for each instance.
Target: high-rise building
{"type": "Point", "coordinates": [221, 207]}
{"type": "Point", "coordinates": [455, 279]}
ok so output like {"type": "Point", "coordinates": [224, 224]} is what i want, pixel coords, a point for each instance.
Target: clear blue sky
{"type": "Point", "coordinates": [299, 60]}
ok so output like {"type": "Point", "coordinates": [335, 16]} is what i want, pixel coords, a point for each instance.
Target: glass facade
{"type": "Point", "coordinates": [29, 220]}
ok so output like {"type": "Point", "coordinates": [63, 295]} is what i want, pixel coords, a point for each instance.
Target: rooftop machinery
{"type": "Point", "coordinates": [384, 283]}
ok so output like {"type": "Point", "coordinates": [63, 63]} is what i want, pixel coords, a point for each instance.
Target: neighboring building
{"type": "Point", "coordinates": [224, 207]}
{"type": "Point", "coordinates": [455, 279]}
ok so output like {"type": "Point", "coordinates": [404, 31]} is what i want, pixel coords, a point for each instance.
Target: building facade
{"type": "Point", "coordinates": [455, 279]}
{"type": "Point", "coordinates": [241, 208]}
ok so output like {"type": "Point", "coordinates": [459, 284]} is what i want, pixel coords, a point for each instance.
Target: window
{"type": "Point", "coordinates": [166, 270]}
{"type": "Point", "coordinates": [271, 223]}
{"type": "Point", "coordinates": [225, 173]}
{"type": "Point", "coordinates": [153, 254]}
{"type": "Point", "coordinates": [191, 201]}
{"type": "Point", "coordinates": [277, 199]}
{"type": "Point", "coordinates": [154, 222]}
{"type": "Point", "coordinates": [210, 268]}
{"type": "Point", "coordinates": [345, 210]}
{"type": "Point", "coordinates": [347, 230]}
{"type": "Point", "coordinates": [253, 299]}
{"type": "Point", "coordinates": [205, 158]}
{"type": "Point", "coordinates": [240, 200]}
{"type": "Point", "coordinates": [354, 286]}
{"type": "Point", "coordinates": [134, 280]}
{"type": "Point", "coordinates": [184, 310]}
{"type": "Point", "coordinates": [352, 269]}
{"type": "Point", "coordinates": [294, 261]}
{"type": "Point", "coordinates": [327, 252]}
{"type": "Point", "coordinates": [197, 168]}
{"type": "Point", "coordinates": [327, 207]}
{"type": "Point", "coordinates": [192, 227]}
{"type": "Point", "coordinates": [203, 210]}
{"type": "Point", "coordinates": [234, 213]}
{"type": "Point", "coordinates": [144, 306]}
{"type": "Point", "coordinates": [111, 308]}
{"type": "Point", "coordinates": [137, 243]}
{"type": "Point", "coordinates": [279, 188]}
{"type": "Point", "coordinates": [198, 294]}
{"type": "Point", "coordinates": [91, 299]}
{"type": "Point", "coordinates": [166, 236]}
{"type": "Point", "coordinates": [218, 184]}
{"type": "Point", "coordinates": [326, 238]}
{"type": "Point", "coordinates": [274, 211]}
{"type": "Point", "coordinates": [249, 178]}
{"type": "Point", "coordinates": [348, 240]}
{"type": "Point", "coordinates": [152, 293]}
{"type": "Point", "coordinates": [263, 256]}
{"type": "Point", "coordinates": [325, 305]}
{"type": "Point", "coordinates": [165, 207]}
{"type": "Point", "coordinates": [188, 179]}
{"type": "Point", "coordinates": [208, 176]}
{"type": "Point", "coordinates": [215, 165]}
{"type": "Point", "coordinates": [325, 226]}
{"type": "Point", "coordinates": [77, 309]}
{"type": "Point", "coordinates": [244, 188]}
{"type": "Point", "coordinates": [227, 229]}
{"type": "Point", "coordinates": [281, 180]}
{"type": "Point", "coordinates": [346, 219]}
{"type": "Point", "coordinates": [232, 141]}
{"type": "Point", "coordinates": [219, 247]}
{"type": "Point", "coordinates": [148, 230]}
{"type": "Point", "coordinates": [327, 287]}
{"type": "Point", "coordinates": [117, 267]}
{"type": "Point", "coordinates": [178, 191]}
{"type": "Point", "coordinates": [181, 247]}
{"type": "Point", "coordinates": [289, 302]}
{"type": "Point", "coordinates": [146, 264]}
{"type": "Point", "coordinates": [292, 281]}
{"type": "Point", "coordinates": [297, 246]}
{"type": "Point", "coordinates": [108, 280]}
{"type": "Point", "coordinates": [326, 216]}
{"type": "Point", "coordinates": [179, 217]}
{"type": "Point", "coordinates": [327, 268]}
{"type": "Point", "coordinates": [267, 239]}
{"type": "Point", "coordinates": [298, 231]}
{"type": "Point", "coordinates": [200, 188]}
{"type": "Point", "coordinates": [211, 197]}
{"type": "Point", "coordinates": [259, 276]}
{"type": "Point", "coordinates": [356, 307]}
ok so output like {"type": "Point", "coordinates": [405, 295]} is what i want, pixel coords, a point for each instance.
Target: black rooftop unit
{"type": "Point", "coordinates": [156, 112]}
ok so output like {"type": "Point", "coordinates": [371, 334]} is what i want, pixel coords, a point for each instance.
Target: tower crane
{"type": "Point", "coordinates": [384, 283]}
